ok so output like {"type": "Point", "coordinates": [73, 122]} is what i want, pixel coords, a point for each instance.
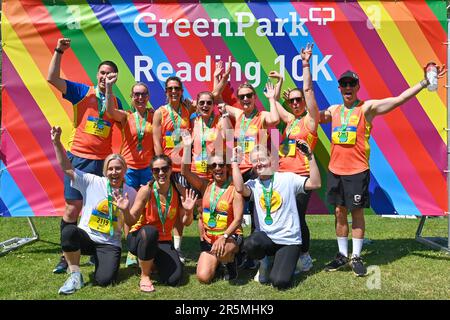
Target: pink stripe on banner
{"type": "Point", "coordinates": [21, 173]}
{"type": "Point", "coordinates": [339, 63]}
{"type": "Point", "coordinates": [30, 111]}
{"type": "Point", "coordinates": [394, 80]}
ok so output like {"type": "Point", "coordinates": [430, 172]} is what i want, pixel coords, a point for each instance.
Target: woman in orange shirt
{"type": "Point", "coordinates": [220, 221]}
{"type": "Point", "coordinates": [150, 239]}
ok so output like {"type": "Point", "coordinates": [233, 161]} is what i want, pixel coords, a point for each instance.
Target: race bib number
{"type": "Point", "coordinates": [287, 150]}
{"type": "Point", "coordinates": [97, 127]}
{"type": "Point", "coordinates": [249, 144]}
{"type": "Point", "coordinates": [100, 222]}
{"type": "Point", "coordinates": [170, 144]}
{"type": "Point", "coordinates": [344, 137]}
{"type": "Point", "coordinates": [201, 166]}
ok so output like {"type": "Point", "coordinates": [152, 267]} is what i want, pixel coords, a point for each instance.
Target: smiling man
{"type": "Point", "coordinates": [348, 170]}
{"type": "Point", "coordinates": [91, 139]}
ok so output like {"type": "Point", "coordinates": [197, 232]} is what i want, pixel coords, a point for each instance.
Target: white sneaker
{"type": "Point", "coordinates": [262, 276]}
{"type": "Point", "coordinates": [181, 256]}
{"type": "Point", "coordinates": [304, 264]}
{"type": "Point", "coordinates": [72, 284]}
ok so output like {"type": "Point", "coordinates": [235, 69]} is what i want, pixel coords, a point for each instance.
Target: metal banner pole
{"type": "Point", "coordinates": [14, 243]}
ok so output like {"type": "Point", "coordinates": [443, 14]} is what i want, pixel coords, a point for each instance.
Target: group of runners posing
{"type": "Point", "coordinates": [218, 160]}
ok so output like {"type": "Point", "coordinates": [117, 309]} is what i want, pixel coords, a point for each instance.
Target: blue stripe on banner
{"type": "Point", "coordinates": [125, 45]}
{"type": "Point", "coordinates": [382, 171]}
{"type": "Point", "coordinates": [147, 47]}
{"type": "Point", "coordinates": [11, 196]}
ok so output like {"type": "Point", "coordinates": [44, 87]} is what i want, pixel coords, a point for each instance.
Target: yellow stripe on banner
{"type": "Point", "coordinates": [408, 65]}
{"type": "Point", "coordinates": [267, 58]}
{"type": "Point", "coordinates": [34, 81]}
{"type": "Point", "coordinates": [105, 49]}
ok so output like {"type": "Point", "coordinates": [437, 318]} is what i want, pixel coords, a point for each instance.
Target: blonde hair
{"type": "Point", "coordinates": [113, 156]}
{"type": "Point", "coordinates": [247, 86]}
{"type": "Point", "coordinates": [260, 148]}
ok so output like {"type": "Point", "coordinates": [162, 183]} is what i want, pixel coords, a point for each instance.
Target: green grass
{"type": "Point", "coordinates": [408, 269]}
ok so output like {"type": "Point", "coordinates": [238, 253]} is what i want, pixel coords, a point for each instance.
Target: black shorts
{"type": "Point", "coordinates": [206, 246]}
{"type": "Point", "coordinates": [350, 191]}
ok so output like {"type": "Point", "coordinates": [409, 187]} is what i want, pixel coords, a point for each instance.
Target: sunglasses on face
{"type": "Point", "coordinates": [296, 99]}
{"type": "Point", "coordinates": [205, 102]}
{"type": "Point", "coordinates": [344, 84]}
{"type": "Point", "coordinates": [173, 88]}
{"type": "Point", "coordinates": [164, 169]}
{"type": "Point", "coordinates": [140, 94]}
{"type": "Point", "coordinates": [217, 165]}
{"type": "Point", "coordinates": [247, 95]}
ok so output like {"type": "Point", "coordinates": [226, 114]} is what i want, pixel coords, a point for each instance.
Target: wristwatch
{"type": "Point", "coordinates": [226, 235]}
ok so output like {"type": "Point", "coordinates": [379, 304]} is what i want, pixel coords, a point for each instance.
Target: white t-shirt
{"type": "Point", "coordinates": [285, 229]}
{"type": "Point", "coordinates": [94, 214]}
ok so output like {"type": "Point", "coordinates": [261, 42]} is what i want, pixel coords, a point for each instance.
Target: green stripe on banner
{"type": "Point", "coordinates": [440, 11]}
{"type": "Point", "coordinates": [241, 47]}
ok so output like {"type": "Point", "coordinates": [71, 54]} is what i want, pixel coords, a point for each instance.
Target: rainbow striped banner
{"type": "Point", "coordinates": [385, 42]}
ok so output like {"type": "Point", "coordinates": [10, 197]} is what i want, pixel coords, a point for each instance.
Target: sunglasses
{"type": "Point", "coordinates": [344, 84]}
{"type": "Point", "coordinates": [296, 99]}
{"type": "Point", "coordinates": [217, 165]}
{"type": "Point", "coordinates": [173, 88]}
{"type": "Point", "coordinates": [140, 94]}
{"type": "Point", "coordinates": [205, 102]}
{"type": "Point", "coordinates": [247, 95]}
{"type": "Point", "coordinates": [164, 169]}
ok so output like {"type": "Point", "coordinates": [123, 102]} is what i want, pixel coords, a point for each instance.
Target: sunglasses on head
{"type": "Point", "coordinates": [140, 94]}
{"type": "Point", "coordinates": [247, 95]}
{"type": "Point", "coordinates": [351, 83]}
{"type": "Point", "coordinates": [296, 99]}
{"type": "Point", "coordinates": [205, 102]}
{"type": "Point", "coordinates": [173, 88]}
{"type": "Point", "coordinates": [164, 169]}
{"type": "Point", "coordinates": [215, 165]}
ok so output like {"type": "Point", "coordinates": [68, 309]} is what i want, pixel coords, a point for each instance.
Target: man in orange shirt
{"type": "Point", "coordinates": [348, 170]}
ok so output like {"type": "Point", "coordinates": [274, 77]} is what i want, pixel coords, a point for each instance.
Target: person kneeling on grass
{"type": "Point", "coordinates": [159, 206]}
{"type": "Point", "coordinates": [277, 225]}
{"type": "Point", "coordinates": [105, 210]}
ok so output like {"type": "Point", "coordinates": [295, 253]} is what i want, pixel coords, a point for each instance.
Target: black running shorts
{"type": "Point", "coordinates": [350, 191]}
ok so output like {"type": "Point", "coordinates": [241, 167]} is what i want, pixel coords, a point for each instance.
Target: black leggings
{"type": "Point", "coordinates": [107, 256]}
{"type": "Point", "coordinates": [258, 245]}
{"type": "Point", "coordinates": [302, 200]}
{"type": "Point", "coordinates": [144, 244]}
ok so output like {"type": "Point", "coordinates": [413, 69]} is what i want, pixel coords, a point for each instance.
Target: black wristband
{"type": "Point", "coordinates": [59, 51]}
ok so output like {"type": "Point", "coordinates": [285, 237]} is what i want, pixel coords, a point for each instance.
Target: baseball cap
{"type": "Point", "coordinates": [349, 75]}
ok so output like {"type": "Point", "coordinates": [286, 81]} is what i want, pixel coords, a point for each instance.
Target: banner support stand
{"type": "Point", "coordinates": [435, 242]}
{"type": "Point", "coordinates": [14, 243]}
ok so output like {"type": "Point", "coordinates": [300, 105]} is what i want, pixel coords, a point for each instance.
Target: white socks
{"type": "Point", "coordinates": [357, 247]}
{"type": "Point", "coordinates": [343, 246]}
{"type": "Point", "coordinates": [177, 242]}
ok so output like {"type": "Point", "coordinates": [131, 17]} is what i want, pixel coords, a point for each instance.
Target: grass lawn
{"type": "Point", "coordinates": [407, 269]}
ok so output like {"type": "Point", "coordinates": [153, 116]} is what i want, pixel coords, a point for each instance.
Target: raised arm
{"type": "Point", "coordinates": [117, 115]}
{"type": "Point", "coordinates": [271, 118]}
{"type": "Point", "coordinates": [377, 107]}
{"type": "Point", "coordinates": [61, 155]}
{"type": "Point", "coordinates": [157, 134]}
{"type": "Point", "coordinates": [238, 181]}
{"type": "Point", "coordinates": [314, 181]}
{"type": "Point", "coordinates": [310, 99]}
{"type": "Point", "coordinates": [220, 80]}
{"type": "Point", "coordinates": [53, 76]}
{"type": "Point", "coordinates": [278, 85]}
{"type": "Point", "coordinates": [195, 181]}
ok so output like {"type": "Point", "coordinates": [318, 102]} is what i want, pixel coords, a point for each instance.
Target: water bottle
{"type": "Point", "coordinates": [431, 70]}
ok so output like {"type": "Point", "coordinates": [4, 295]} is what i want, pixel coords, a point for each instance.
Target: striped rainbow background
{"type": "Point", "coordinates": [408, 145]}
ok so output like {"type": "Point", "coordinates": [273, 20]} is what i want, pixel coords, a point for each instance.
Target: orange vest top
{"type": "Point", "coordinates": [348, 159]}
{"type": "Point", "coordinates": [211, 135]}
{"type": "Point", "coordinates": [151, 216]}
{"type": "Point", "coordinates": [256, 133]}
{"type": "Point", "coordinates": [298, 163]}
{"type": "Point", "coordinates": [175, 152]}
{"type": "Point", "coordinates": [224, 212]}
{"type": "Point", "coordinates": [88, 139]}
{"type": "Point", "coordinates": [134, 158]}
